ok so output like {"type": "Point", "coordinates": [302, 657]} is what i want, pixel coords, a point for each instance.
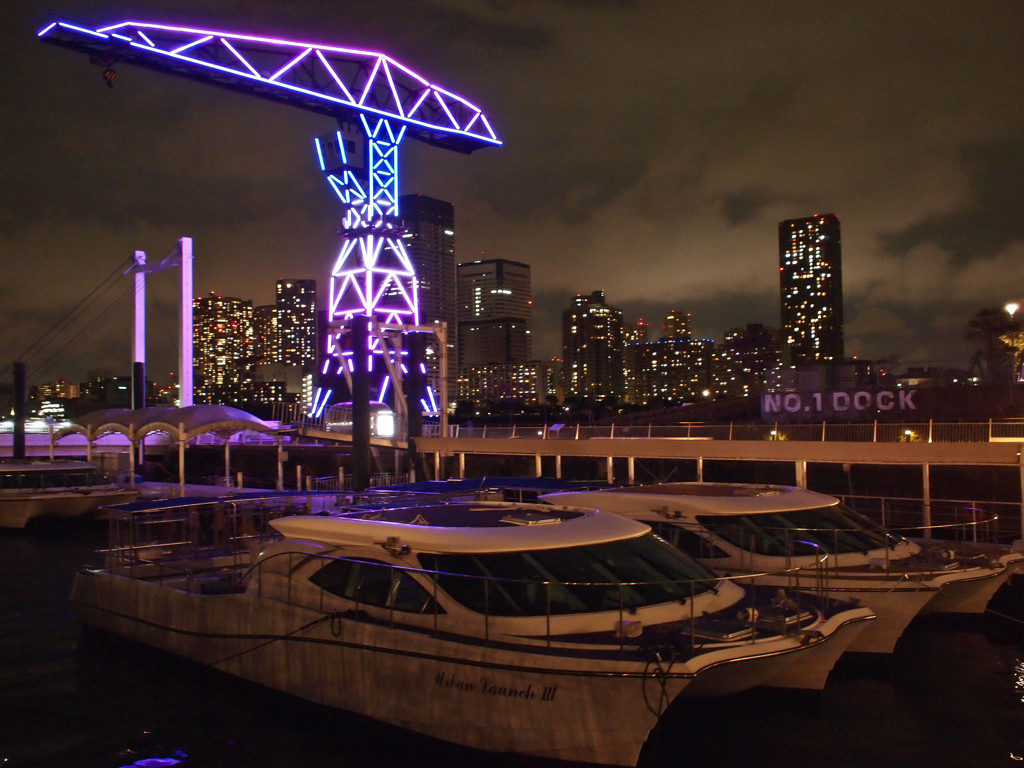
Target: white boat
{"type": "Point", "coordinates": [515, 628]}
{"type": "Point", "coordinates": [739, 528]}
{"type": "Point", "coordinates": [31, 489]}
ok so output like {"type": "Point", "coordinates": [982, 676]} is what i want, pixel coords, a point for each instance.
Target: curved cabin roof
{"type": "Point", "coordinates": [671, 499]}
{"type": "Point", "coordinates": [476, 527]}
{"type": "Point", "coordinates": [180, 423]}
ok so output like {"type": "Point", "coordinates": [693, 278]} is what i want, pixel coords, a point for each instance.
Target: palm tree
{"type": "Point", "coordinates": [998, 335]}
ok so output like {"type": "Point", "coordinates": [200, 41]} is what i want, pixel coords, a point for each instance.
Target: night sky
{"type": "Point", "coordinates": [650, 150]}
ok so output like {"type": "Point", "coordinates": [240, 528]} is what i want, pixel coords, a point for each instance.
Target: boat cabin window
{"type": "Point", "coordinates": [602, 577]}
{"type": "Point", "coordinates": [688, 541]}
{"type": "Point", "coordinates": [373, 583]}
{"type": "Point", "coordinates": [833, 529]}
{"type": "Point", "coordinates": [12, 480]}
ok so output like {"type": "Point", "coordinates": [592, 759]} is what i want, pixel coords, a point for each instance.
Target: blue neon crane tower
{"type": "Point", "coordinates": [376, 101]}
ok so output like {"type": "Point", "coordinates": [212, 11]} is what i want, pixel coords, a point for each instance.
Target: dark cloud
{"type": "Point", "coordinates": [650, 150]}
{"type": "Point", "coordinates": [988, 220]}
{"type": "Point", "coordinates": [744, 205]}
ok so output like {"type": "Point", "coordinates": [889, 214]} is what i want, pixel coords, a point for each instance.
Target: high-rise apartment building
{"type": "Point", "coordinates": [529, 382]}
{"type": "Point", "coordinates": [265, 342]}
{"type": "Point", "coordinates": [745, 360]}
{"type": "Point", "coordinates": [670, 370]}
{"type": "Point", "coordinates": [676, 325]}
{"type": "Point", "coordinates": [296, 317]}
{"type": "Point", "coordinates": [592, 347]}
{"type": "Point", "coordinates": [494, 309]}
{"type": "Point", "coordinates": [430, 244]}
{"type": "Point", "coordinates": [811, 289]}
{"type": "Point", "coordinates": [222, 337]}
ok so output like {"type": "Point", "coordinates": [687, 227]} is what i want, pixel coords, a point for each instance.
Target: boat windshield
{"type": "Point", "coordinates": [833, 529]}
{"type": "Point", "coordinates": [35, 479]}
{"type": "Point", "coordinates": [629, 573]}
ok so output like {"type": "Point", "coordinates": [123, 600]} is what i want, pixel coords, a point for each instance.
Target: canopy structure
{"type": "Point", "coordinates": [183, 425]}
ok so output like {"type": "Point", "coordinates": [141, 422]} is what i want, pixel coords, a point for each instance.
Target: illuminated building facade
{"type": "Point", "coordinates": [264, 332]}
{"type": "Point", "coordinates": [746, 360]}
{"type": "Point", "coordinates": [675, 368]}
{"type": "Point", "coordinates": [593, 344]}
{"type": "Point", "coordinates": [222, 334]}
{"type": "Point", "coordinates": [811, 288]}
{"type": "Point", "coordinates": [494, 308]}
{"type": "Point", "coordinates": [676, 325]}
{"type": "Point", "coordinates": [429, 242]}
{"type": "Point", "coordinates": [529, 382]}
{"type": "Point", "coordinates": [58, 390]}
{"type": "Point", "coordinates": [296, 316]}
{"type": "Point", "coordinates": [633, 338]}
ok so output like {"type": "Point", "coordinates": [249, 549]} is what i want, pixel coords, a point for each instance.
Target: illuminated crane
{"type": "Point", "coordinates": [376, 102]}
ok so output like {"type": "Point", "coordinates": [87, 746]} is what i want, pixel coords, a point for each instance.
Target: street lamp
{"type": "Point", "coordinates": [1015, 336]}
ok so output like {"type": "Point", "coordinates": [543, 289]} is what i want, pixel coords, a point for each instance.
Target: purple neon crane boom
{"type": "Point", "coordinates": [344, 83]}
{"type": "Point", "coordinates": [371, 96]}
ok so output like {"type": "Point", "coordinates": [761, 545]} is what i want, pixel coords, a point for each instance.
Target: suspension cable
{"type": "Point", "coordinates": [39, 346]}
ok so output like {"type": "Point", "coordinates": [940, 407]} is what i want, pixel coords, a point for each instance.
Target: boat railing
{"type": "Point", "coordinates": [749, 621]}
{"type": "Point", "coordinates": [961, 535]}
{"type": "Point", "coordinates": [177, 537]}
{"type": "Point", "coordinates": [957, 520]}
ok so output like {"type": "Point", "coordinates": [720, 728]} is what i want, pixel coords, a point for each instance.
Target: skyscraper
{"type": "Point", "coordinates": [222, 335]}
{"type": "Point", "coordinates": [266, 344]}
{"type": "Point", "coordinates": [296, 316]}
{"type": "Point", "coordinates": [430, 245]}
{"type": "Point", "coordinates": [592, 347]}
{"type": "Point", "coordinates": [493, 312]}
{"type": "Point", "coordinates": [676, 325]}
{"type": "Point", "coordinates": [811, 289]}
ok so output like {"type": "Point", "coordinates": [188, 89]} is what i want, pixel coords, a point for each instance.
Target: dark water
{"type": "Point", "coordinates": [953, 695]}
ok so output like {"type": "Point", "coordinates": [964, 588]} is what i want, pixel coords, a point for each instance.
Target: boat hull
{"type": "Point", "coordinates": [843, 631]}
{"type": "Point", "coordinates": [973, 595]}
{"type": "Point", "coordinates": [17, 510]}
{"type": "Point", "coordinates": [532, 701]}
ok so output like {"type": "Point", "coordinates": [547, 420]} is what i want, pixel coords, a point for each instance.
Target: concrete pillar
{"type": "Point", "coordinates": [610, 469]}
{"type": "Point", "coordinates": [227, 462]}
{"type": "Point", "coordinates": [280, 464]}
{"type": "Point", "coordinates": [20, 410]}
{"type": "Point", "coordinates": [631, 462]}
{"type": "Point", "coordinates": [801, 473]}
{"type": "Point", "coordinates": [181, 460]}
{"type": "Point", "coordinates": [926, 477]}
{"type": "Point", "coordinates": [1020, 458]}
{"type": "Point", "coordinates": [360, 403]}
{"type": "Point", "coordinates": [131, 457]}
{"type": "Point", "coordinates": [558, 471]}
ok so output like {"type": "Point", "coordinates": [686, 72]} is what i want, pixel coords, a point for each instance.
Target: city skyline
{"type": "Point", "coordinates": [648, 155]}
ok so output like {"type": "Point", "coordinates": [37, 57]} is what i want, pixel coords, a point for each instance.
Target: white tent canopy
{"type": "Point", "coordinates": [182, 425]}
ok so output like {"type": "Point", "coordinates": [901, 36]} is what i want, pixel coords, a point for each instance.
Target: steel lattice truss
{"type": "Point", "coordinates": [341, 82]}
{"type": "Point", "coordinates": [372, 275]}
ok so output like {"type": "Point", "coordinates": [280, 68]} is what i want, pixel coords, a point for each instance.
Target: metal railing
{"type": "Point", "coordinates": [863, 432]}
{"type": "Point", "coordinates": [989, 523]}
{"type": "Point", "coordinates": [746, 616]}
